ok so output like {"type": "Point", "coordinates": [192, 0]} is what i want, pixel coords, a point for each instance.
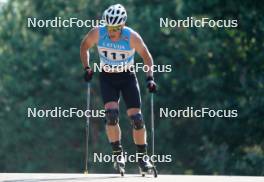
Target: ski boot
{"type": "Point", "coordinates": [145, 167]}
{"type": "Point", "coordinates": [119, 164]}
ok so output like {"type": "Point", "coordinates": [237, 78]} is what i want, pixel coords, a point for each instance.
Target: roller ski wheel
{"type": "Point", "coordinates": [119, 166]}
{"type": "Point", "coordinates": [145, 167]}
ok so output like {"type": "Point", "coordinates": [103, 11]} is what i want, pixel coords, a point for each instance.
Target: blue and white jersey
{"type": "Point", "coordinates": [115, 54]}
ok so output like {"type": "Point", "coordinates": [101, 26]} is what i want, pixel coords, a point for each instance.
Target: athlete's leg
{"type": "Point", "coordinates": [112, 127]}
{"type": "Point", "coordinates": [139, 135]}
{"type": "Point", "coordinates": [139, 130]}
{"type": "Point", "coordinates": [131, 94]}
{"type": "Point", "coordinates": [111, 96]}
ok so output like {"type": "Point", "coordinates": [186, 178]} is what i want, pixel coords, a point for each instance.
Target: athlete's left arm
{"type": "Point", "coordinates": [138, 44]}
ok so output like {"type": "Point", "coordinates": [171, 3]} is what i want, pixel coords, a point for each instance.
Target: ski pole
{"type": "Point", "coordinates": [152, 121]}
{"type": "Point", "coordinates": [87, 129]}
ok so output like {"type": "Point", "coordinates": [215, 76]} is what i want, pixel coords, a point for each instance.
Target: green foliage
{"type": "Point", "coordinates": [218, 68]}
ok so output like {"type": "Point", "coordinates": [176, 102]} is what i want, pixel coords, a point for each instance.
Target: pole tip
{"type": "Point", "coordinates": [85, 172]}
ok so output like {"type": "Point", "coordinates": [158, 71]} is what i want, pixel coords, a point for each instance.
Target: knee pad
{"type": "Point", "coordinates": [137, 121]}
{"type": "Point", "coordinates": [111, 116]}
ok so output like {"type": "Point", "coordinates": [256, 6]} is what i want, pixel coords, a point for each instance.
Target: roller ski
{"type": "Point", "coordinates": [146, 167]}
{"type": "Point", "coordinates": [119, 164]}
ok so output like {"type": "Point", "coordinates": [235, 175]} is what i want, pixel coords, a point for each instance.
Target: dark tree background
{"type": "Point", "coordinates": [219, 68]}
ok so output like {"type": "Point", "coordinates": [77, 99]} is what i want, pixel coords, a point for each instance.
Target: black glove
{"type": "Point", "coordinates": [152, 86]}
{"type": "Point", "coordinates": [88, 74]}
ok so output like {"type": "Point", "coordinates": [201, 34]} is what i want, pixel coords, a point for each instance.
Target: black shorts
{"type": "Point", "coordinates": [112, 84]}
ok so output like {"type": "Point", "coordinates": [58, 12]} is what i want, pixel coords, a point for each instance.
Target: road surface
{"type": "Point", "coordinates": [60, 177]}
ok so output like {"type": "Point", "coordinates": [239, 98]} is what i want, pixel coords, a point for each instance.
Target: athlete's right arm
{"type": "Point", "coordinates": [88, 41]}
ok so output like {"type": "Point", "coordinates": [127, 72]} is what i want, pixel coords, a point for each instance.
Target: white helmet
{"type": "Point", "coordinates": [115, 15]}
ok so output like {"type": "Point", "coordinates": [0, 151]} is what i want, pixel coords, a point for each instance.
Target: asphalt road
{"type": "Point", "coordinates": [60, 177]}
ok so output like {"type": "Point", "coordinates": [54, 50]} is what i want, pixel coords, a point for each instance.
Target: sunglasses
{"type": "Point", "coordinates": [114, 28]}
